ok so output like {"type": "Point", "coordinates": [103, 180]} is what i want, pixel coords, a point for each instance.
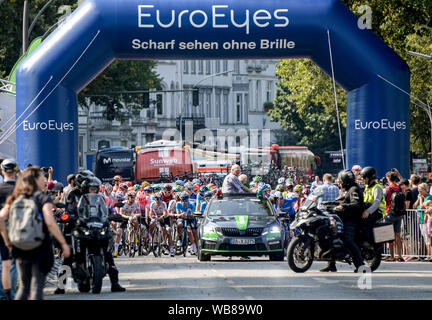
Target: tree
{"type": "Point", "coordinates": [121, 75]}
{"type": "Point", "coordinates": [305, 101]}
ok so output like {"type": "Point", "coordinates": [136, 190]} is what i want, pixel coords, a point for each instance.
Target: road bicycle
{"type": "Point", "coordinates": [156, 238]}
{"type": "Point", "coordinates": [132, 239]}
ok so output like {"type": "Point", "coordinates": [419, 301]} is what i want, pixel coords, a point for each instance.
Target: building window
{"type": "Point", "coordinates": [258, 95]}
{"type": "Point", "coordinates": [225, 67]}
{"type": "Point", "coordinates": [237, 66]}
{"type": "Point", "coordinates": [123, 143]}
{"type": "Point", "coordinates": [208, 66]}
{"type": "Point", "coordinates": [218, 104]}
{"type": "Point", "coordinates": [246, 108]}
{"type": "Point", "coordinates": [159, 104]}
{"type": "Point", "coordinates": [185, 66]}
{"type": "Point", "coordinates": [217, 62]}
{"type": "Point", "coordinates": [208, 104]}
{"type": "Point", "coordinates": [225, 106]}
{"type": "Point", "coordinates": [269, 91]}
{"type": "Point", "coordinates": [193, 66]}
{"type": "Point", "coordinates": [200, 66]}
{"type": "Point", "coordinates": [103, 144]}
{"type": "Point", "coordinates": [238, 108]}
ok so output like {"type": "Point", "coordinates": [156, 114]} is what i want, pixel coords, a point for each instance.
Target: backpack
{"type": "Point", "coordinates": [397, 207]}
{"type": "Point", "coordinates": [25, 223]}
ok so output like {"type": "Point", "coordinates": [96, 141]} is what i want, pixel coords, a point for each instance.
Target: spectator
{"type": "Point", "coordinates": [393, 179]}
{"type": "Point", "coordinates": [421, 204]}
{"type": "Point", "coordinates": [409, 198]}
{"type": "Point", "coordinates": [329, 190]}
{"type": "Point", "coordinates": [71, 184]}
{"type": "Point", "coordinates": [428, 223]}
{"type": "Point", "coordinates": [316, 183]}
{"type": "Point", "coordinates": [356, 169]}
{"type": "Point", "coordinates": [9, 170]}
{"type": "Point", "coordinates": [33, 265]}
{"type": "Point", "coordinates": [232, 184]}
{"type": "Point", "coordinates": [415, 181]}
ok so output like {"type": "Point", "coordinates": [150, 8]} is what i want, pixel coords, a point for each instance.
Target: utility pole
{"type": "Point", "coordinates": [25, 27]}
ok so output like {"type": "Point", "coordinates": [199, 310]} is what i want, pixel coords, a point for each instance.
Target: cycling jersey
{"type": "Point", "coordinates": [167, 198]}
{"type": "Point", "coordinates": [202, 201]}
{"type": "Point", "coordinates": [130, 209]}
{"type": "Point", "coordinates": [172, 206]}
{"type": "Point", "coordinates": [157, 210]}
{"type": "Point", "coordinates": [180, 208]}
{"type": "Point", "coordinates": [193, 197]}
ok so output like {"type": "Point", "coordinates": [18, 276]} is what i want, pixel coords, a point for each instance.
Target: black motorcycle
{"type": "Point", "coordinates": [318, 235]}
{"type": "Point", "coordinates": [91, 239]}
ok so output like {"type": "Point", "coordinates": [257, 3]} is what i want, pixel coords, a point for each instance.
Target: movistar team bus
{"type": "Point", "coordinates": [114, 161]}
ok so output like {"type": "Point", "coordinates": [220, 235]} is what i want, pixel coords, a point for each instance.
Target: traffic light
{"type": "Point", "coordinates": [110, 114]}
{"type": "Point", "coordinates": [146, 100]}
{"type": "Point", "coordinates": [195, 97]}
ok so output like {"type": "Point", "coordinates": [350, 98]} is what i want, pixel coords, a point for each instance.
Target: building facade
{"type": "Point", "coordinates": [233, 98]}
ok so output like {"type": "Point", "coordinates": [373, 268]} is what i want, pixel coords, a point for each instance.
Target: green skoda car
{"type": "Point", "coordinates": [240, 225]}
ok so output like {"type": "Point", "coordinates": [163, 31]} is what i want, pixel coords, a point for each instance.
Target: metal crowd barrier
{"type": "Point", "coordinates": [414, 244]}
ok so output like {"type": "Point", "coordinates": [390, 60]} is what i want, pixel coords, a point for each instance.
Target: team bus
{"type": "Point", "coordinates": [114, 161]}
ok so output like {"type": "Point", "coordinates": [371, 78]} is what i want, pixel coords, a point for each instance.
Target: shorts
{"type": "Point", "coordinates": [424, 232]}
{"type": "Point", "coordinates": [4, 251]}
{"type": "Point", "coordinates": [166, 223]}
{"type": "Point", "coordinates": [192, 223]}
{"type": "Point", "coordinates": [396, 221]}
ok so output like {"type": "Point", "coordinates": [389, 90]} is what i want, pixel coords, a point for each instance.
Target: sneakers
{"type": "Point", "coordinates": [172, 252]}
{"type": "Point", "coordinates": [179, 243]}
{"type": "Point", "coordinates": [117, 288]}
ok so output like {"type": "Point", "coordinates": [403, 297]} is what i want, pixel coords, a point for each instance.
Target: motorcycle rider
{"type": "Point", "coordinates": [374, 195]}
{"type": "Point", "coordinates": [85, 180]}
{"type": "Point", "coordinates": [350, 210]}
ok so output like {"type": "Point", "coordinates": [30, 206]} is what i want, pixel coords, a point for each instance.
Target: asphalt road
{"type": "Point", "coordinates": [182, 278]}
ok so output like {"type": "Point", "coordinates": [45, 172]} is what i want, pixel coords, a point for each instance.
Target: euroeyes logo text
{"type": "Point", "coordinates": [50, 125]}
{"type": "Point", "coordinates": [384, 124]}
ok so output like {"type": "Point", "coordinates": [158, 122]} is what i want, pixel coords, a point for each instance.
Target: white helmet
{"type": "Point", "coordinates": [356, 168]}
{"type": "Point", "coordinates": [281, 180]}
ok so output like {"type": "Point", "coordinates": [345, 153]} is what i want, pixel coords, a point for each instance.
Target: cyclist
{"type": "Point", "coordinates": [158, 210]}
{"type": "Point", "coordinates": [117, 180]}
{"type": "Point", "coordinates": [184, 209]}
{"type": "Point", "coordinates": [130, 211]}
{"type": "Point", "coordinates": [300, 198]}
{"type": "Point", "coordinates": [201, 202]}
{"type": "Point", "coordinates": [180, 183]}
{"type": "Point", "coordinates": [167, 194]}
{"type": "Point", "coordinates": [189, 188]}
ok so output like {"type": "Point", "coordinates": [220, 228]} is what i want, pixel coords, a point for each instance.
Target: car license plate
{"type": "Point", "coordinates": [242, 241]}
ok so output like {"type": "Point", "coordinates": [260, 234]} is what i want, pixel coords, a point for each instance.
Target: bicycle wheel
{"type": "Point", "coordinates": [185, 241]}
{"type": "Point", "coordinates": [154, 241]}
{"type": "Point", "coordinates": [159, 243]}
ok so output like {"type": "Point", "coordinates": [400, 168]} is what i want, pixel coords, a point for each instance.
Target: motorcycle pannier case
{"type": "Point", "coordinates": [383, 232]}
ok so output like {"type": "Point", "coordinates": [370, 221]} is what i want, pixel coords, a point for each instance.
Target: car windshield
{"type": "Point", "coordinates": [231, 207]}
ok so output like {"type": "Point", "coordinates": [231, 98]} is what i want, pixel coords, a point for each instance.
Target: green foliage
{"type": "Point", "coordinates": [119, 76]}
{"type": "Point", "coordinates": [305, 102]}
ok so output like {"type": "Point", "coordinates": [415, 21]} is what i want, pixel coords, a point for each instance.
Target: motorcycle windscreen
{"type": "Point", "coordinates": [92, 206]}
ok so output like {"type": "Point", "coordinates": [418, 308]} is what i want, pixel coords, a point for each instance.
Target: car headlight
{"type": "Point", "coordinates": [209, 231]}
{"type": "Point", "coordinates": [271, 230]}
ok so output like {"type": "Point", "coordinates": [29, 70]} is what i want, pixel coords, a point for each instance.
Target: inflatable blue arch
{"type": "Point", "coordinates": [100, 31]}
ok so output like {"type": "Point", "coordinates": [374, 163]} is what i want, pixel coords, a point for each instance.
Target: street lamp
{"type": "Point", "coordinates": [421, 55]}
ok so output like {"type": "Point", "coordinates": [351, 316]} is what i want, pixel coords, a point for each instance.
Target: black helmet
{"type": "Point", "coordinates": [202, 191]}
{"type": "Point", "coordinates": [369, 172]}
{"type": "Point", "coordinates": [347, 178]}
{"type": "Point", "coordinates": [81, 177]}
{"type": "Point", "coordinates": [9, 165]}
{"type": "Point", "coordinates": [184, 196]}
{"type": "Point", "coordinates": [90, 182]}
